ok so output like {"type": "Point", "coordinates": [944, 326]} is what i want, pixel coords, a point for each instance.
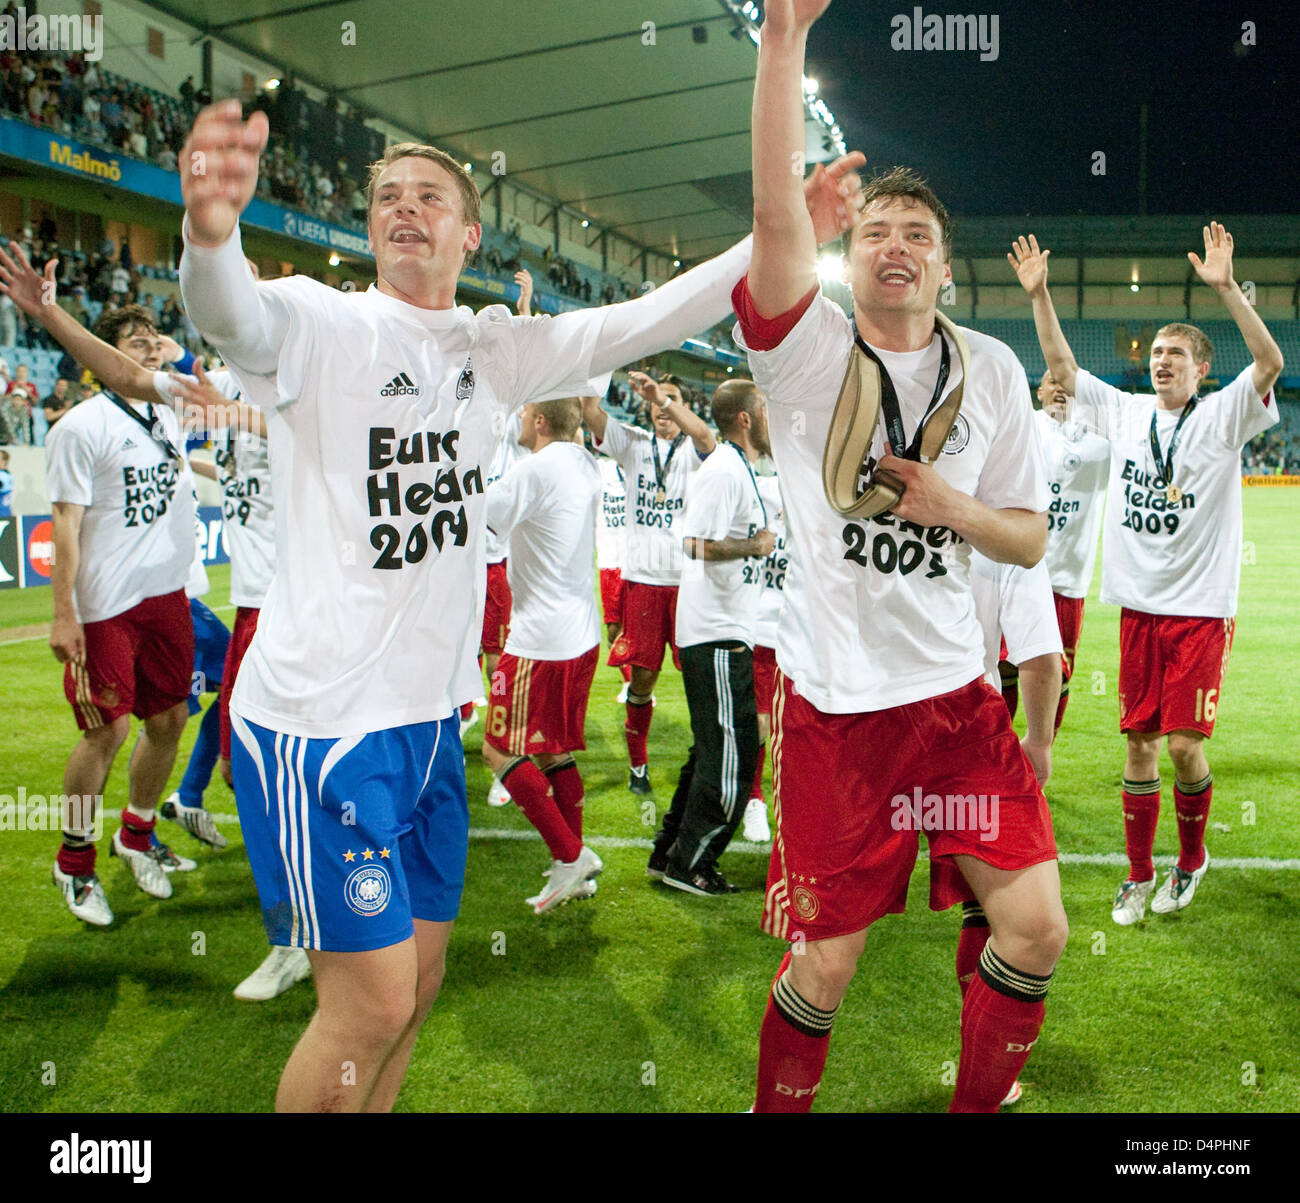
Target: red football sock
{"type": "Point", "coordinates": [136, 831]}
{"type": "Point", "coordinates": [1141, 812]}
{"type": "Point", "coordinates": [466, 711]}
{"type": "Point", "coordinates": [756, 790]}
{"type": "Point", "coordinates": [970, 943]}
{"type": "Point", "coordinates": [532, 794]}
{"type": "Point", "coordinates": [78, 861]}
{"type": "Point", "coordinates": [1192, 806]}
{"type": "Point", "coordinates": [792, 1047]}
{"type": "Point", "coordinates": [626, 670]}
{"type": "Point", "coordinates": [637, 729]}
{"type": "Point", "coordinates": [566, 785]}
{"type": "Point", "coordinates": [1060, 708]}
{"type": "Point", "coordinates": [1000, 1021]}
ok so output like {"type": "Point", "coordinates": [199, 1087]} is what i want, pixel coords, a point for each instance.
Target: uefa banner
{"type": "Point", "coordinates": [27, 547]}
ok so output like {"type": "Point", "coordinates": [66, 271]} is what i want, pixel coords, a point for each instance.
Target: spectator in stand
{"type": "Point", "coordinates": [22, 396]}
{"type": "Point", "coordinates": [6, 486]}
{"type": "Point", "coordinates": [57, 403]}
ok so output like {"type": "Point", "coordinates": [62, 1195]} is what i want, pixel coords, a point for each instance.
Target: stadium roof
{"type": "Point", "coordinates": [644, 131]}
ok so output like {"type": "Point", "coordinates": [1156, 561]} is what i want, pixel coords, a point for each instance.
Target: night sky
{"type": "Point", "coordinates": [1018, 134]}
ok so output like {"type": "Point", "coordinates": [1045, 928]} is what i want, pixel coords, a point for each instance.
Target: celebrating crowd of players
{"type": "Point", "coordinates": [409, 443]}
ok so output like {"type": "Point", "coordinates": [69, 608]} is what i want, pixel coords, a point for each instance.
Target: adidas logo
{"type": "Point", "coordinates": [536, 738]}
{"type": "Point", "coordinates": [128, 443]}
{"type": "Point", "coordinates": [400, 385]}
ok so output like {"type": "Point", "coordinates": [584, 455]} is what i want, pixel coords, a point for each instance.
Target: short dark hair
{"type": "Point", "coordinates": [470, 202]}
{"type": "Point", "coordinates": [902, 183]}
{"type": "Point", "coordinates": [563, 415]}
{"type": "Point", "coordinates": [115, 324]}
{"type": "Point", "coordinates": [1202, 347]}
{"type": "Point", "coordinates": [731, 399]}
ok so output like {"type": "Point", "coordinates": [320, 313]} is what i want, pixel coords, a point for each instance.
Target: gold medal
{"type": "Point", "coordinates": [1173, 495]}
{"type": "Point", "coordinates": [660, 497]}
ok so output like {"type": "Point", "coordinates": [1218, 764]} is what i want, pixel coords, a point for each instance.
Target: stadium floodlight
{"type": "Point", "coordinates": [468, 167]}
{"type": "Point", "coordinates": [585, 223]}
{"type": "Point", "coordinates": [272, 84]}
{"type": "Point", "coordinates": [810, 86]}
{"type": "Point", "coordinates": [335, 260]}
{"type": "Point", "coordinates": [1135, 287]}
{"type": "Point", "coordinates": [677, 263]}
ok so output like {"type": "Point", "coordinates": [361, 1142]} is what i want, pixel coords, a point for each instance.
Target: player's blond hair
{"type": "Point", "coordinates": [1202, 348]}
{"type": "Point", "coordinates": [563, 416]}
{"type": "Point", "coordinates": [470, 202]}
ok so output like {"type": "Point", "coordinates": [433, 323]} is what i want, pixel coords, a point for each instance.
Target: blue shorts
{"type": "Point", "coordinates": [351, 839]}
{"type": "Point", "coordinates": [211, 638]}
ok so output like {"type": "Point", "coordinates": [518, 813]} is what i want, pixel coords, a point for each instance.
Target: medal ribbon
{"type": "Point", "coordinates": [894, 431]}
{"type": "Point", "coordinates": [153, 430]}
{"type": "Point", "coordinates": [744, 459]}
{"type": "Point", "coordinates": [1165, 465]}
{"type": "Point", "coordinates": [662, 471]}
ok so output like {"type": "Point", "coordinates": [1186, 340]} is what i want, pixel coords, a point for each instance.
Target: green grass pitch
{"type": "Point", "coordinates": [646, 1000]}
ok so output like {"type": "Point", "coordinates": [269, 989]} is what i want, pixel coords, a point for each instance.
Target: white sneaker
{"type": "Point", "coordinates": [1131, 901]}
{"type": "Point", "coordinates": [1178, 889]}
{"type": "Point", "coordinates": [567, 881]}
{"type": "Point", "coordinates": [622, 695]}
{"type": "Point", "coordinates": [1013, 1095]}
{"type": "Point", "coordinates": [283, 968]}
{"type": "Point", "coordinates": [170, 861]}
{"type": "Point", "coordinates": [756, 829]}
{"type": "Point", "coordinates": [85, 897]}
{"type": "Point", "coordinates": [197, 820]}
{"type": "Point", "coordinates": [498, 795]}
{"type": "Point", "coordinates": [149, 874]}
{"type": "Point", "coordinates": [467, 723]}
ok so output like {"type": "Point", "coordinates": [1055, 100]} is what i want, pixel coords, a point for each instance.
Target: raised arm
{"type": "Point", "coordinates": [1216, 271]}
{"type": "Point", "coordinates": [1030, 265]}
{"type": "Point", "coordinates": [784, 263]}
{"type": "Point", "coordinates": [35, 296]}
{"type": "Point", "coordinates": [218, 170]}
{"type": "Point", "coordinates": [524, 306]}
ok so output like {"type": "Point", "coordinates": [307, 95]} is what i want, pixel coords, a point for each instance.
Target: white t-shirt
{"type": "Point", "coordinates": [879, 613]}
{"type": "Point", "coordinates": [137, 532]}
{"type": "Point", "coordinates": [382, 419]}
{"type": "Point", "coordinates": [653, 551]}
{"type": "Point", "coordinates": [1078, 464]}
{"type": "Point", "coordinates": [545, 507]}
{"type": "Point", "coordinates": [1180, 558]}
{"type": "Point", "coordinates": [718, 599]}
{"type": "Point", "coordinates": [1015, 604]}
{"type": "Point", "coordinates": [611, 530]}
{"type": "Point", "coordinates": [771, 573]}
{"type": "Point", "coordinates": [247, 510]}
{"type": "Point", "coordinates": [508, 451]}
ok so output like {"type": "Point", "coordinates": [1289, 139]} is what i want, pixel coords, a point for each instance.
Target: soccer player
{"type": "Point", "coordinates": [123, 543]}
{"type": "Point", "coordinates": [881, 687]}
{"type": "Point", "coordinates": [657, 468]}
{"type": "Point", "coordinates": [344, 709]}
{"type": "Point", "coordinates": [1078, 464]}
{"type": "Point", "coordinates": [771, 599]}
{"type": "Point", "coordinates": [724, 531]}
{"type": "Point", "coordinates": [546, 507]}
{"type": "Point", "coordinates": [1171, 552]}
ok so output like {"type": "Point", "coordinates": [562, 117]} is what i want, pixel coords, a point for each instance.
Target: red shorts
{"type": "Point", "coordinates": [1170, 671]}
{"type": "Point", "coordinates": [240, 638]}
{"type": "Point", "coordinates": [649, 623]}
{"type": "Point", "coordinates": [545, 705]}
{"type": "Point", "coordinates": [137, 662]}
{"type": "Point", "coordinates": [611, 595]}
{"type": "Point", "coordinates": [764, 678]}
{"type": "Point", "coordinates": [1069, 618]}
{"type": "Point", "coordinates": [853, 790]}
{"type": "Point", "coordinates": [496, 613]}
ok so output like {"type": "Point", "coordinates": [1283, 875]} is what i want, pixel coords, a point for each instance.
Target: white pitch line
{"type": "Point", "coordinates": [34, 638]}
{"type": "Point", "coordinates": [1101, 859]}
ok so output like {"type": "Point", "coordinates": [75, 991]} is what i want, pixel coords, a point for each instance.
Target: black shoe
{"type": "Point", "coordinates": [639, 783]}
{"type": "Point", "coordinates": [708, 883]}
{"type": "Point", "coordinates": [657, 864]}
